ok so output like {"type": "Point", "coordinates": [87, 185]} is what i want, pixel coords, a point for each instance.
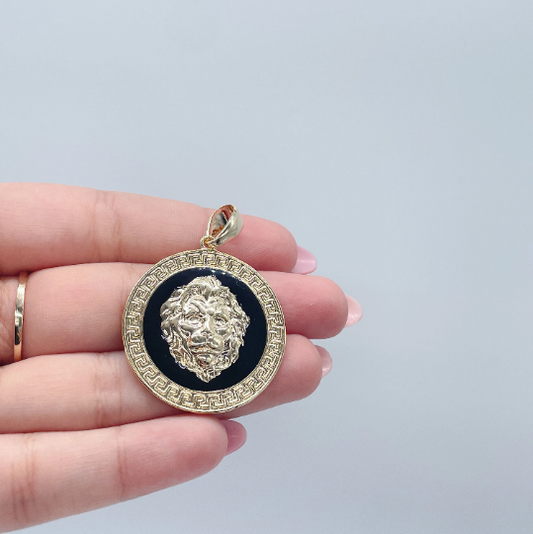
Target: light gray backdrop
{"type": "Point", "coordinates": [395, 140]}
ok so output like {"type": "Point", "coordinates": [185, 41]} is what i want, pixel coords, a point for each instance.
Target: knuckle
{"type": "Point", "coordinates": [310, 380]}
{"type": "Point", "coordinates": [22, 485]}
{"type": "Point", "coordinates": [304, 368]}
{"type": "Point", "coordinates": [122, 465]}
{"type": "Point", "coordinates": [107, 390]}
{"type": "Point", "coordinates": [108, 235]}
{"type": "Point", "coordinates": [334, 308]}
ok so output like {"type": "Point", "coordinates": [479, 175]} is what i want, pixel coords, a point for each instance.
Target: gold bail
{"type": "Point", "coordinates": [224, 224]}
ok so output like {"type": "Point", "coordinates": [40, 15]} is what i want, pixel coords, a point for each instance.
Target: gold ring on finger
{"type": "Point", "coordinates": [19, 315]}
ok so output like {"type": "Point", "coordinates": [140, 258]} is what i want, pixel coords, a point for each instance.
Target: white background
{"type": "Point", "coordinates": [395, 140]}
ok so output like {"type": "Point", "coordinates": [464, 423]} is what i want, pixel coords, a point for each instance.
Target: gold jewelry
{"type": "Point", "coordinates": [203, 330]}
{"type": "Point", "coordinates": [19, 315]}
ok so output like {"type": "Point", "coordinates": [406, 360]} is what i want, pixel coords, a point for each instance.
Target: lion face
{"type": "Point", "coordinates": [204, 327]}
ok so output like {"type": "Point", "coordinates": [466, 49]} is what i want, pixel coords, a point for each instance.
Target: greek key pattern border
{"type": "Point", "coordinates": [174, 394]}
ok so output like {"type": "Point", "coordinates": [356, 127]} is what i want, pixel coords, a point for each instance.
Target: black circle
{"type": "Point", "coordinates": [249, 354]}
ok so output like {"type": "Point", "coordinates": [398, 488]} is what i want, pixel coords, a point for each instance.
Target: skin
{"type": "Point", "coordinates": [77, 429]}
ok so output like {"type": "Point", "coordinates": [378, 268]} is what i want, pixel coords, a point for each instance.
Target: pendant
{"type": "Point", "coordinates": [202, 330]}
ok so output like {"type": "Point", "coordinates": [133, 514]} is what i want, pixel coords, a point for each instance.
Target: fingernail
{"type": "Point", "coordinates": [327, 362]}
{"type": "Point", "coordinates": [236, 435]}
{"type": "Point", "coordinates": [305, 263]}
{"type": "Point", "coordinates": [355, 312]}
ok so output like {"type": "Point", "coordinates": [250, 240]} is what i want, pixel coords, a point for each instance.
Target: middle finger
{"type": "Point", "coordinates": [79, 308]}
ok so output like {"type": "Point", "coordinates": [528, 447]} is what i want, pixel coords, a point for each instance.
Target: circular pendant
{"type": "Point", "coordinates": [203, 331]}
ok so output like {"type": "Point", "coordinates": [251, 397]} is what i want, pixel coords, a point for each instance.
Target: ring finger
{"type": "Point", "coordinates": [84, 391]}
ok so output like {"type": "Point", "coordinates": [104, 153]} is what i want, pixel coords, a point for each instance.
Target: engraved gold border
{"type": "Point", "coordinates": [221, 400]}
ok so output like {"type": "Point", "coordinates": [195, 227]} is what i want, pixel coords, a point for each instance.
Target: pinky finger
{"type": "Point", "coordinates": [96, 468]}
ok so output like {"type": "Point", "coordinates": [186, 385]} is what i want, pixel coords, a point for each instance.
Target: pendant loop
{"type": "Point", "coordinates": [224, 224]}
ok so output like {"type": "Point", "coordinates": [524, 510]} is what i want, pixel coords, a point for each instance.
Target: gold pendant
{"type": "Point", "coordinates": [202, 330]}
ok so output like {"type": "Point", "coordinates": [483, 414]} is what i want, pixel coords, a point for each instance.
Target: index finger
{"type": "Point", "coordinates": [47, 225]}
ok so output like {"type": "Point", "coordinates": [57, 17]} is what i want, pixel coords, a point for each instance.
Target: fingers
{"type": "Point", "coordinates": [44, 225]}
{"type": "Point", "coordinates": [84, 391]}
{"type": "Point", "coordinates": [51, 475]}
{"type": "Point", "coordinates": [313, 306]}
{"type": "Point", "coordinates": [299, 375]}
{"type": "Point", "coordinates": [79, 308]}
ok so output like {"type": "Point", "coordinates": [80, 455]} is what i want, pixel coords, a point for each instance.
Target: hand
{"type": "Point", "coordinates": [77, 429]}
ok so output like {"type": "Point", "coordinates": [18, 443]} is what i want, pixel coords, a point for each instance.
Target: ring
{"type": "Point", "coordinates": [19, 315]}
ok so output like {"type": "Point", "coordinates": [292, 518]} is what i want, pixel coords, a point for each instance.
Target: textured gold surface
{"type": "Point", "coordinates": [204, 326]}
{"type": "Point", "coordinates": [174, 394]}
